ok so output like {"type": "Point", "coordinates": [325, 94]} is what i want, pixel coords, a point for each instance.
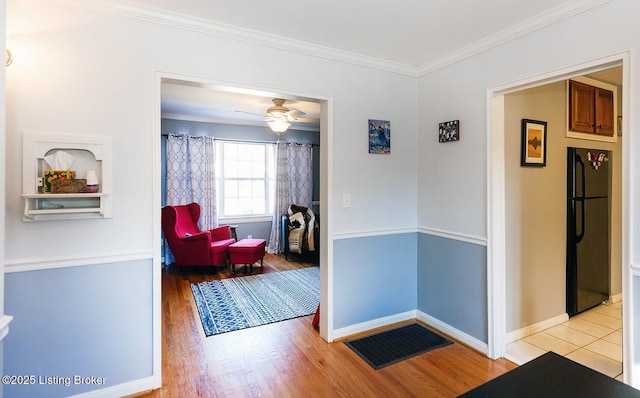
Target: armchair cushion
{"type": "Point", "coordinates": [220, 233]}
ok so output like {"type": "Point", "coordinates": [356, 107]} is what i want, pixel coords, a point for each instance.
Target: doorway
{"type": "Point", "coordinates": [326, 244]}
{"type": "Point", "coordinates": [498, 285]}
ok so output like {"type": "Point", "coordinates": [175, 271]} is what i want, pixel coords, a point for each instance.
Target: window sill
{"type": "Point", "coordinates": [244, 220]}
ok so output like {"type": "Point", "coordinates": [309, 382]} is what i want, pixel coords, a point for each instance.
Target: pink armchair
{"type": "Point", "coordinates": [189, 245]}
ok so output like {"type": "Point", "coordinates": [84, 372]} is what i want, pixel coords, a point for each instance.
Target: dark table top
{"type": "Point", "coordinates": [553, 376]}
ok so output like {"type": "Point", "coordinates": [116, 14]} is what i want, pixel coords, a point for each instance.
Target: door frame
{"type": "Point", "coordinates": [496, 217]}
{"type": "Point", "coordinates": [326, 192]}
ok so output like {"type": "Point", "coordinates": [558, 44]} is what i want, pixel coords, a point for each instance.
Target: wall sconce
{"type": "Point", "coordinates": [279, 125]}
{"type": "Point", "coordinates": [8, 57]}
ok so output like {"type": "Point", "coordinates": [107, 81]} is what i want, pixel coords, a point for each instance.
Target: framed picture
{"type": "Point", "coordinates": [534, 143]}
{"type": "Point", "coordinates": [379, 136]}
{"type": "Point", "coordinates": [449, 131]}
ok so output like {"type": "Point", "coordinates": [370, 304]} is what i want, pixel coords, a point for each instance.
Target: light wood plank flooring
{"type": "Point", "coordinates": [289, 359]}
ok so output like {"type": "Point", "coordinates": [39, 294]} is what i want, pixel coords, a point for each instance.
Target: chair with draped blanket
{"type": "Point", "coordinates": [298, 230]}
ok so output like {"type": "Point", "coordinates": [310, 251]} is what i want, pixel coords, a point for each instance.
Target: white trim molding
{"type": "Point", "coordinates": [557, 14]}
{"type": "Point", "coordinates": [476, 240]}
{"type": "Point", "coordinates": [373, 324]}
{"type": "Point", "coordinates": [193, 23]}
{"type": "Point", "coordinates": [37, 264]}
{"type": "Point", "coordinates": [473, 239]}
{"type": "Point", "coordinates": [5, 320]}
{"type": "Point", "coordinates": [122, 390]}
{"type": "Point", "coordinates": [373, 232]}
{"type": "Point", "coordinates": [412, 315]}
{"type": "Point", "coordinates": [201, 25]}
{"type": "Point", "coordinates": [535, 328]}
{"type": "Point", "coordinates": [455, 333]}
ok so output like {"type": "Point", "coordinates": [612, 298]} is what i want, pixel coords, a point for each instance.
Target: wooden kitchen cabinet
{"type": "Point", "coordinates": [591, 109]}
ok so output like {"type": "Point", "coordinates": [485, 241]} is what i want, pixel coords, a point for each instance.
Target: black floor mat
{"type": "Point", "coordinates": [394, 345]}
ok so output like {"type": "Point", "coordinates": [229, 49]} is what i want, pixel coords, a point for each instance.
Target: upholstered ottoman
{"type": "Point", "coordinates": [246, 251]}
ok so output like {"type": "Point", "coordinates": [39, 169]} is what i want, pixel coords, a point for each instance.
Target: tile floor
{"type": "Point", "coordinates": [593, 338]}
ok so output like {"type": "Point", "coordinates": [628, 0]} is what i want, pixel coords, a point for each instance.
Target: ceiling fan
{"type": "Point", "coordinates": [279, 117]}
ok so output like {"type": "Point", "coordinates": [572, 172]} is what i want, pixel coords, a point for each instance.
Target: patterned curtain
{"type": "Point", "coordinates": [294, 184]}
{"type": "Point", "coordinates": [191, 178]}
{"type": "Point", "coordinates": [203, 179]}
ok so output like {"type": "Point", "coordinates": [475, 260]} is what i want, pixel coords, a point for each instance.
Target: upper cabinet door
{"type": "Point", "coordinates": [582, 107]}
{"type": "Point", "coordinates": [604, 112]}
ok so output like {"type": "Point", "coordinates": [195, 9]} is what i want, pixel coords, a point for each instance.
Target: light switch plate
{"type": "Point", "coordinates": [346, 200]}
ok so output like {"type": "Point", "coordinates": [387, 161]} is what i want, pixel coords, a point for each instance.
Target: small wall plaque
{"type": "Point", "coordinates": [449, 131]}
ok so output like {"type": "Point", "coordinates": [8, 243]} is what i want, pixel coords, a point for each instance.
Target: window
{"type": "Point", "coordinates": [247, 179]}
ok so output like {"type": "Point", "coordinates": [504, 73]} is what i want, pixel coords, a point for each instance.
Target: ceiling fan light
{"type": "Point", "coordinates": [279, 125]}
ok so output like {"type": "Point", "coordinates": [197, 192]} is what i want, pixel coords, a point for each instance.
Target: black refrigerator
{"type": "Point", "coordinates": [588, 238]}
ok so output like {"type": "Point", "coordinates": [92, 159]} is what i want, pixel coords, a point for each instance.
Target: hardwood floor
{"type": "Point", "coordinates": [289, 359]}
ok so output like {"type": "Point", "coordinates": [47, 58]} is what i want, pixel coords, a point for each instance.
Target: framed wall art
{"type": "Point", "coordinates": [449, 131]}
{"type": "Point", "coordinates": [379, 136]}
{"type": "Point", "coordinates": [534, 143]}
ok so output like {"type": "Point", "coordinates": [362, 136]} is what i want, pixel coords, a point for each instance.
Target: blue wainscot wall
{"type": "Point", "coordinates": [452, 284]}
{"type": "Point", "coordinates": [374, 279]}
{"type": "Point", "coordinates": [88, 321]}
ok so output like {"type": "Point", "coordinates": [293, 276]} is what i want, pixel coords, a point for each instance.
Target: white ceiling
{"type": "Point", "coordinates": [403, 35]}
{"type": "Point", "coordinates": [198, 102]}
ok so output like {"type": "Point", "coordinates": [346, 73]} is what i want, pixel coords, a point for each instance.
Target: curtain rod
{"type": "Point", "coordinates": [242, 140]}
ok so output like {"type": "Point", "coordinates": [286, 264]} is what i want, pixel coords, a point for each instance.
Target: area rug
{"type": "Point", "coordinates": [238, 303]}
{"type": "Point", "coordinates": [553, 376]}
{"type": "Point", "coordinates": [391, 346]}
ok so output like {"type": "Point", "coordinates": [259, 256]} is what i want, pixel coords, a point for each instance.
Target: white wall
{"type": "Point", "coordinates": [92, 73]}
{"type": "Point", "coordinates": [453, 197]}
{"type": "Point", "coordinates": [83, 71]}
{"type": "Point", "coordinates": [2, 177]}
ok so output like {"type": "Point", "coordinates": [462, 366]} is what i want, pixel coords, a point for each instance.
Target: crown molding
{"type": "Point", "coordinates": [201, 25]}
{"type": "Point", "coordinates": [533, 24]}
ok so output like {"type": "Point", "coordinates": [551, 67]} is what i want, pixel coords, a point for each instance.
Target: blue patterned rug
{"type": "Point", "coordinates": [238, 303]}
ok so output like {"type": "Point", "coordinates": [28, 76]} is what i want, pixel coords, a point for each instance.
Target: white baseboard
{"type": "Point", "coordinates": [418, 315]}
{"type": "Point", "coordinates": [453, 332]}
{"type": "Point", "coordinates": [122, 390]}
{"type": "Point", "coordinates": [373, 324]}
{"type": "Point", "coordinates": [517, 361]}
{"type": "Point", "coordinates": [535, 328]}
{"type": "Point", "coordinates": [615, 298]}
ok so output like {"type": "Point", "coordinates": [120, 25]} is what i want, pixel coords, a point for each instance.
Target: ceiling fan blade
{"type": "Point", "coordinates": [306, 120]}
{"type": "Point", "coordinates": [295, 112]}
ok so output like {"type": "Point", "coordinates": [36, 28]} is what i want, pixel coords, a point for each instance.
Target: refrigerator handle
{"type": "Point", "coordinates": [580, 199]}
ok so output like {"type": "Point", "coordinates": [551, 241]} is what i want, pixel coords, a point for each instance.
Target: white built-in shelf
{"type": "Point", "coordinates": [94, 152]}
{"type": "Point", "coordinates": [40, 207]}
